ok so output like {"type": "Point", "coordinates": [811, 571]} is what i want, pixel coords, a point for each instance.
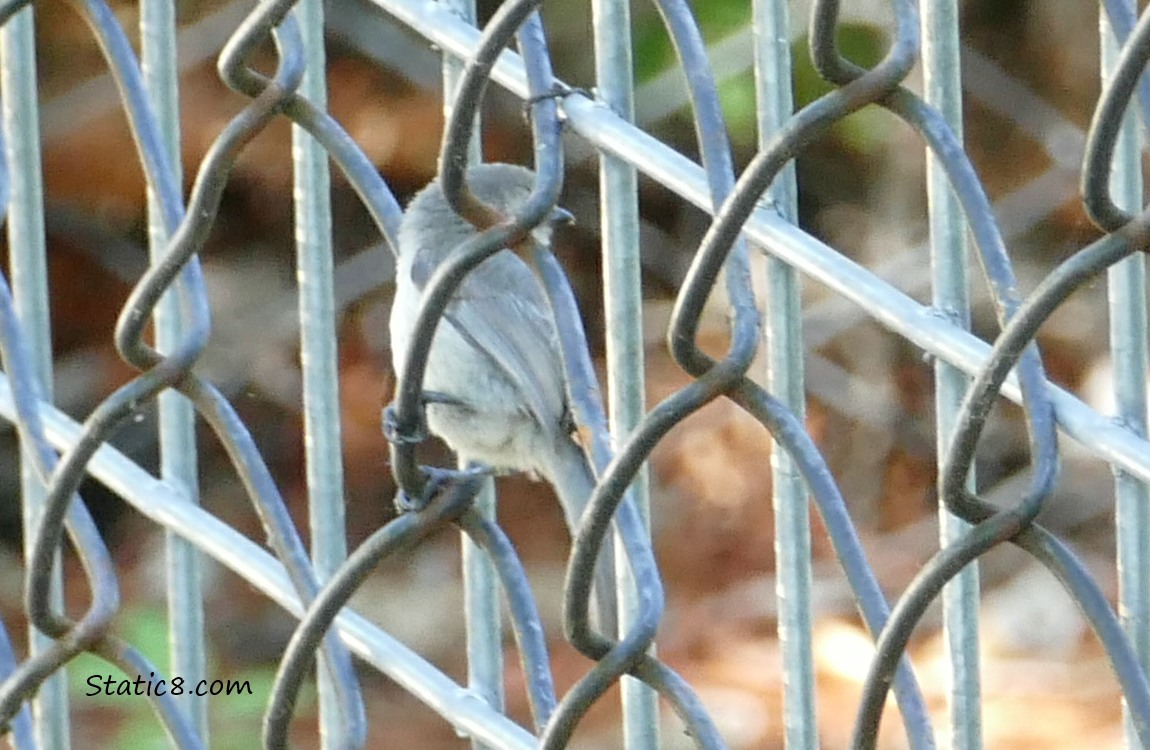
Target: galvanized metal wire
{"type": "Point", "coordinates": [753, 223]}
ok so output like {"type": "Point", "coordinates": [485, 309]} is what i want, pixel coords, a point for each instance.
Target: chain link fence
{"type": "Point", "coordinates": [752, 250]}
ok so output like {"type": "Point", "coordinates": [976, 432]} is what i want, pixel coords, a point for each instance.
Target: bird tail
{"type": "Point", "coordinates": [573, 480]}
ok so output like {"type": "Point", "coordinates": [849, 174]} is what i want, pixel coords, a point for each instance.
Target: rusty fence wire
{"type": "Point", "coordinates": [753, 230]}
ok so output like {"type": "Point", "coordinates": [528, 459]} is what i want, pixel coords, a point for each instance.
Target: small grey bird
{"type": "Point", "coordinates": [495, 364]}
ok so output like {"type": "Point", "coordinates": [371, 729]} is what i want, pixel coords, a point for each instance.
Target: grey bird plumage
{"type": "Point", "coordinates": [496, 354]}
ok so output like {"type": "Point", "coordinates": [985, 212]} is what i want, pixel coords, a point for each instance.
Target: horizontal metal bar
{"type": "Point", "coordinates": [919, 324]}
{"type": "Point", "coordinates": [169, 507]}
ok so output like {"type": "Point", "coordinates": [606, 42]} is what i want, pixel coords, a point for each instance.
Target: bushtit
{"type": "Point", "coordinates": [494, 372]}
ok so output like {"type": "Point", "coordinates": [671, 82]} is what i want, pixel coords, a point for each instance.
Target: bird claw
{"type": "Point", "coordinates": [390, 419]}
{"type": "Point", "coordinates": [437, 479]}
{"type": "Point", "coordinates": [439, 397]}
{"type": "Point", "coordinates": [394, 434]}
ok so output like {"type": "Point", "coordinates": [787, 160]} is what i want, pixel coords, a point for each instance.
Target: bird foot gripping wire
{"type": "Point", "coordinates": [398, 435]}
{"type": "Point", "coordinates": [435, 479]}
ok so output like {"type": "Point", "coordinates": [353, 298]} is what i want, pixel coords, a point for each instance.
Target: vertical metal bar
{"type": "Point", "coordinates": [948, 254]}
{"type": "Point", "coordinates": [319, 354]}
{"type": "Point", "coordinates": [480, 581]}
{"type": "Point", "coordinates": [623, 300]}
{"type": "Point", "coordinates": [784, 355]}
{"type": "Point", "coordinates": [1128, 348]}
{"type": "Point", "coordinates": [481, 610]}
{"type": "Point", "coordinates": [29, 271]}
{"type": "Point", "coordinates": [177, 418]}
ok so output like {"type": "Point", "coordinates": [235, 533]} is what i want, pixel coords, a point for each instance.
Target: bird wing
{"type": "Point", "coordinates": [519, 336]}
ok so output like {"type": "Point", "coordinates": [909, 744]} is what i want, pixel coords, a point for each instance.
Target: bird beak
{"type": "Point", "coordinates": [561, 217]}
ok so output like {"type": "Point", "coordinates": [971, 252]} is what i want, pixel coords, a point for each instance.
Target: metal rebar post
{"type": "Point", "coordinates": [160, 68]}
{"type": "Point", "coordinates": [1128, 349]}
{"type": "Point", "coordinates": [319, 354]}
{"type": "Point", "coordinates": [622, 283]}
{"type": "Point", "coordinates": [29, 273]}
{"type": "Point", "coordinates": [480, 579]}
{"type": "Point", "coordinates": [950, 298]}
{"type": "Point", "coordinates": [783, 337]}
